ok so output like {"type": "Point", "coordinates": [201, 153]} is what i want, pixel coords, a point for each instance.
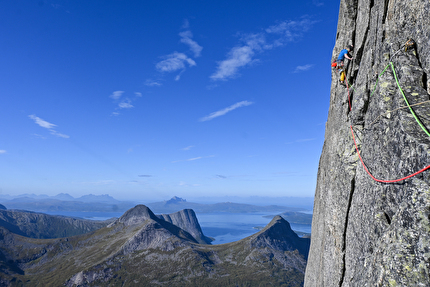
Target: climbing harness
{"type": "Point", "coordinates": [408, 44]}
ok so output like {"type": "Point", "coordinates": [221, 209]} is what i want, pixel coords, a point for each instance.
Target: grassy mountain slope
{"type": "Point", "coordinates": [140, 249]}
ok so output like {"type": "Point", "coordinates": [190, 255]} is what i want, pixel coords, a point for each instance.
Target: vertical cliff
{"type": "Point", "coordinates": [366, 232]}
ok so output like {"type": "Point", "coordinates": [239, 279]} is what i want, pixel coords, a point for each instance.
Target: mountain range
{"type": "Point", "coordinates": [106, 203]}
{"type": "Point", "coordinates": [142, 249]}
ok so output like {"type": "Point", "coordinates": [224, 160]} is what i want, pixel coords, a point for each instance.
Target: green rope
{"type": "Point", "coordinates": [374, 89]}
{"type": "Point", "coordinates": [346, 79]}
{"type": "Point", "coordinates": [407, 103]}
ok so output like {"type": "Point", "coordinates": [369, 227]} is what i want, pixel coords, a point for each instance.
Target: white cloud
{"type": "Point", "coordinates": [2, 151]}
{"type": "Point", "coordinates": [116, 95]}
{"type": "Point", "coordinates": [173, 62]}
{"type": "Point", "coordinates": [126, 104]}
{"type": "Point", "coordinates": [305, 140]}
{"type": "Point", "coordinates": [177, 61]}
{"type": "Point", "coordinates": [152, 83]}
{"type": "Point", "coordinates": [194, 158]}
{"type": "Point", "coordinates": [188, 147]}
{"type": "Point", "coordinates": [272, 37]}
{"type": "Point", "coordinates": [238, 57]}
{"type": "Point", "coordinates": [302, 68]}
{"type": "Point", "coordinates": [194, 47]}
{"type": "Point", "coordinates": [47, 125]}
{"type": "Point", "coordinates": [226, 110]}
{"type": "Point", "coordinates": [55, 133]}
{"type": "Point", "coordinates": [291, 30]}
{"type": "Point", "coordinates": [42, 123]}
{"type": "Point", "coordinates": [317, 3]}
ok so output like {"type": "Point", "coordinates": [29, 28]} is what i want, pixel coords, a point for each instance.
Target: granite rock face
{"type": "Point", "coordinates": [365, 232]}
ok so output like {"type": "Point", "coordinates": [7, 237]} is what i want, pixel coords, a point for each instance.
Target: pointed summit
{"type": "Point", "coordinates": [279, 236]}
{"type": "Point", "coordinates": [138, 214]}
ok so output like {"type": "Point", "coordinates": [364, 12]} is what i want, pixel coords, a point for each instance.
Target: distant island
{"type": "Point", "coordinates": [64, 202]}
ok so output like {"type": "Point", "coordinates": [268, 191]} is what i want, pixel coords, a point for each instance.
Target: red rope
{"type": "Point", "coordinates": [380, 180]}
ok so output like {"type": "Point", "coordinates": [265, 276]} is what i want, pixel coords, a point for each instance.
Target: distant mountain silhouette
{"type": "Point", "coordinates": [39, 225]}
{"type": "Point", "coordinates": [175, 200]}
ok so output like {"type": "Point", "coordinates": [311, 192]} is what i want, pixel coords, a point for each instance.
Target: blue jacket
{"type": "Point", "coordinates": [342, 55]}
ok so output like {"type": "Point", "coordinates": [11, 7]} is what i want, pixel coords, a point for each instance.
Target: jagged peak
{"type": "Point", "coordinates": [278, 223]}
{"type": "Point", "coordinates": [279, 235]}
{"type": "Point", "coordinates": [138, 214]}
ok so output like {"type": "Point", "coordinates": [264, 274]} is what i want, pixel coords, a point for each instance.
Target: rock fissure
{"type": "Point", "coordinates": [384, 18]}
{"type": "Point", "coordinates": [351, 193]}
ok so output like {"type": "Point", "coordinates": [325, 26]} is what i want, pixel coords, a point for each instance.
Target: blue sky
{"type": "Point", "coordinates": [151, 99]}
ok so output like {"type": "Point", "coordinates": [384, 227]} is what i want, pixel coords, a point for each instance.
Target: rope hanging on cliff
{"type": "Point", "coordinates": [382, 180]}
{"type": "Point", "coordinates": [413, 113]}
{"type": "Point", "coordinates": [407, 103]}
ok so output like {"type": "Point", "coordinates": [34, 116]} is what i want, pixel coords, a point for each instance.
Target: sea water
{"type": "Point", "coordinates": [222, 226]}
{"type": "Point", "coordinates": [229, 227]}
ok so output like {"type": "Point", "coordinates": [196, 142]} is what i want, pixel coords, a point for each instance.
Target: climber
{"type": "Point", "coordinates": [342, 55]}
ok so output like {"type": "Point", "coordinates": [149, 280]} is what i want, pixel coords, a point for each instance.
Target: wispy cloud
{"type": "Point", "coordinates": [186, 38]}
{"type": "Point", "coordinates": [47, 125]}
{"type": "Point", "coordinates": [2, 151]}
{"type": "Point", "coordinates": [126, 104]}
{"type": "Point", "coordinates": [116, 95]}
{"type": "Point", "coordinates": [226, 110]}
{"type": "Point", "coordinates": [123, 102]}
{"type": "Point", "coordinates": [173, 62]}
{"type": "Point", "coordinates": [42, 123]}
{"type": "Point", "coordinates": [302, 68]}
{"type": "Point", "coordinates": [188, 147]}
{"type": "Point", "coordinates": [152, 83]}
{"type": "Point", "coordinates": [178, 61]}
{"type": "Point", "coordinates": [194, 158]}
{"type": "Point", "coordinates": [243, 54]}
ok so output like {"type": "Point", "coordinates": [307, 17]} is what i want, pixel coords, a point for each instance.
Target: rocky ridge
{"type": "Point", "coordinates": [141, 249]}
{"type": "Point", "coordinates": [366, 232]}
{"type": "Point", "coordinates": [187, 220]}
{"type": "Point", "coordinates": [39, 225]}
